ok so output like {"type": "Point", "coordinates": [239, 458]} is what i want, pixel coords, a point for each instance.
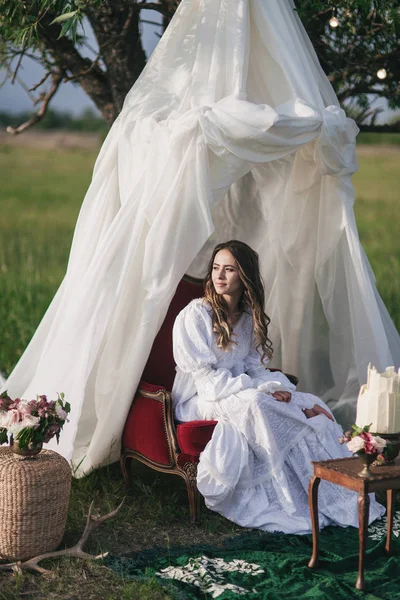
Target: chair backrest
{"type": "Point", "coordinates": [160, 367]}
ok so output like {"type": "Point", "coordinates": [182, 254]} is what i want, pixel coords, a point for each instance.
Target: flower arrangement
{"type": "Point", "coordinates": [360, 441]}
{"type": "Point", "coordinates": [32, 422]}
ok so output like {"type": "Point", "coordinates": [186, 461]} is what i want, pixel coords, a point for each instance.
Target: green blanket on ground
{"type": "Point", "coordinates": [273, 567]}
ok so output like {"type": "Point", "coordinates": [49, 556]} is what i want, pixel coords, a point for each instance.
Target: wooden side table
{"type": "Point", "coordinates": [344, 472]}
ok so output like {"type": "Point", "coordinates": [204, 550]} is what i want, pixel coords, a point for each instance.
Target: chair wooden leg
{"type": "Point", "coordinates": [123, 459]}
{"type": "Point", "coordinates": [190, 471]}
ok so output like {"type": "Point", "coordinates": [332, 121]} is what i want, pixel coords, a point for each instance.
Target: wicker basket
{"type": "Point", "coordinates": [34, 496]}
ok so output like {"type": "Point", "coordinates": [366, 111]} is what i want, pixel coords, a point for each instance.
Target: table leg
{"type": "Point", "coordinates": [390, 497]}
{"type": "Point", "coordinates": [313, 504]}
{"type": "Point", "coordinates": [363, 517]}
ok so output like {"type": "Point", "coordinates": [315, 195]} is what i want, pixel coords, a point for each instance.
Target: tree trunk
{"type": "Point", "coordinates": [116, 28]}
{"type": "Point", "coordinates": [91, 78]}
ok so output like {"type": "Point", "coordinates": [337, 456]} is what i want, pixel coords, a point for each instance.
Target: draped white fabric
{"type": "Point", "coordinates": [232, 131]}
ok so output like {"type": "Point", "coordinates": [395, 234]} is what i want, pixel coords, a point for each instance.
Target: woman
{"type": "Point", "coordinates": [256, 468]}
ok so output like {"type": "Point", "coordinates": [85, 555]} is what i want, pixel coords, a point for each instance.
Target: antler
{"type": "Point", "coordinates": [92, 523]}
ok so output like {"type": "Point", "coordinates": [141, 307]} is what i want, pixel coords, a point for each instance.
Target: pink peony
{"type": "Point", "coordinates": [26, 421]}
{"type": "Point", "coordinates": [24, 407]}
{"type": "Point", "coordinates": [10, 417]}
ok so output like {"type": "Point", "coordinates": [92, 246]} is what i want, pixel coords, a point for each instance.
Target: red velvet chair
{"type": "Point", "coordinates": [150, 434]}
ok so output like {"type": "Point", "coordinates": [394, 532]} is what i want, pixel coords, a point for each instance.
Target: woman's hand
{"type": "Point", "coordinates": [282, 396]}
{"type": "Point", "coordinates": [317, 410]}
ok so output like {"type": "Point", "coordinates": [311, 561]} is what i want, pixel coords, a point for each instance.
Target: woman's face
{"type": "Point", "coordinates": [225, 274]}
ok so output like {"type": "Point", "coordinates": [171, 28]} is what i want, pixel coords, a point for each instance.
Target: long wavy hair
{"type": "Point", "coordinates": [252, 299]}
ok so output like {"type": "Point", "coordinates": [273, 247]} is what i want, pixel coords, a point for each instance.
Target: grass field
{"type": "Point", "coordinates": [377, 185]}
{"type": "Point", "coordinates": [40, 196]}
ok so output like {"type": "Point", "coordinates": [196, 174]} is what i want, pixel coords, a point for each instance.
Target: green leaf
{"type": "Point", "coordinates": [356, 429]}
{"type": "Point", "coordinates": [64, 17]}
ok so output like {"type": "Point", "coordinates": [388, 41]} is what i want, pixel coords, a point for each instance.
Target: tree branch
{"type": "Point", "coordinates": [357, 90]}
{"type": "Point", "coordinates": [153, 6]}
{"type": "Point", "coordinates": [38, 116]}
{"type": "Point", "coordinates": [92, 523]}
{"type": "Point", "coordinates": [21, 56]}
{"type": "Point", "coordinates": [94, 64]}
{"type": "Point", "coordinates": [37, 85]}
{"type": "Point", "coordinates": [151, 22]}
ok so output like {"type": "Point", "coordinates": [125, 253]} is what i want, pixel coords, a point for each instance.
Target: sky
{"type": "Point", "coordinates": [70, 97]}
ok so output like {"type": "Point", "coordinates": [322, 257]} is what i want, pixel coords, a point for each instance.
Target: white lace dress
{"type": "Point", "coordinates": [256, 468]}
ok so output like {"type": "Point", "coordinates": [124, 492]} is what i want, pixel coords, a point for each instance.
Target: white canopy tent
{"type": "Point", "coordinates": [232, 131]}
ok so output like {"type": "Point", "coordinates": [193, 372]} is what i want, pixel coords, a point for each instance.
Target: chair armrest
{"type": "Point", "coordinates": [149, 429]}
{"type": "Point", "coordinates": [150, 388]}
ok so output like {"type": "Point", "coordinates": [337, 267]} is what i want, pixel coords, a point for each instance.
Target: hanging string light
{"type": "Point", "coordinates": [333, 22]}
{"type": "Point", "coordinates": [381, 74]}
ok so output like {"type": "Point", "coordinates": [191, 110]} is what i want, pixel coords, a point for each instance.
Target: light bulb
{"type": "Point", "coordinates": [333, 22]}
{"type": "Point", "coordinates": [381, 74]}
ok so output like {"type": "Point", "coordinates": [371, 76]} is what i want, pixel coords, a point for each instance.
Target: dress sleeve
{"type": "Point", "coordinates": [192, 347]}
{"type": "Point", "coordinates": [263, 379]}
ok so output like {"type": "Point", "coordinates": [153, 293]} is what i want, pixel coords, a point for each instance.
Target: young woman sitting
{"type": "Point", "coordinates": [256, 468]}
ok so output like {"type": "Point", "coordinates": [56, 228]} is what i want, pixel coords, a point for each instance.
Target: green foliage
{"type": "Point", "coordinates": [21, 20]}
{"type": "Point", "coordinates": [357, 430]}
{"type": "Point", "coordinates": [365, 40]}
